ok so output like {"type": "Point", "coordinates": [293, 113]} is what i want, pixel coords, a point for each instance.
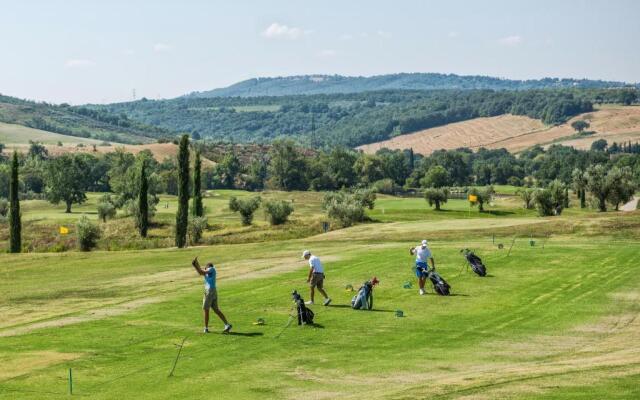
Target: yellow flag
{"type": "Point", "coordinates": [64, 230]}
{"type": "Point", "coordinates": [473, 198]}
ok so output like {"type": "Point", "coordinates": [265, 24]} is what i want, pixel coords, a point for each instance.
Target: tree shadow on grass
{"type": "Point", "coordinates": [498, 213]}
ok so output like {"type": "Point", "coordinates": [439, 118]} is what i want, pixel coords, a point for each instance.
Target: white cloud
{"type": "Point", "coordinates": [280, 31]}
{"type": "Point", "coordinates": [161, 47]}
{"type": "Point", "coordinates": [453, 34]}
{"type": "Point", "coordinates": [327, 53]}
{"type": "Point", "coordinates": [511, 41]}
{"type": "Point", "coordinates": [346, 36]}
{"type": "Point", "coordinates": [79, 63]}
{"type": "Point", "coordinates": [384, 34]}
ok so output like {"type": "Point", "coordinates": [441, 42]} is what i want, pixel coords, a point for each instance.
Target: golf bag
{"type": "Point", "coordinates": [363, 300]}
{"type": "Point", "coordinates": [305, 315]}
{"type": "Point", "coordinates": [475, 262]}
{"type": "Point", "coordinates": [440, 286]}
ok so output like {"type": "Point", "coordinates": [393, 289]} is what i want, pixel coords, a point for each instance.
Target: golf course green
{"type": "Point", "coordinates": [556, 316]}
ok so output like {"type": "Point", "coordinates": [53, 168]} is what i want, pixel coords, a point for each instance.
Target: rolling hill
{"type": "Point", "coordinates": [516, 133]}
{"type": "Point", "coordinates": [331, 84]}
{"type": "Point", "coordinates": [49, 122]}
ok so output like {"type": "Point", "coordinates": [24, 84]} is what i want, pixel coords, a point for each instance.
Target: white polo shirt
{"type": "Point", "coordinates": [422, 255]}
{"type": "Point", "coordinates": [316, 265]}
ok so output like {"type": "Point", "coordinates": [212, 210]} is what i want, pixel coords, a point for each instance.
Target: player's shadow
{"type": "Point", "coordinates": [347, 306]}
{"type": "Point", "coordinates": [245, 334]}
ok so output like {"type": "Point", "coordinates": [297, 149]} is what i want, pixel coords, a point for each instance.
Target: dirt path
{"type": "Point", "coordinates": [631, 206]}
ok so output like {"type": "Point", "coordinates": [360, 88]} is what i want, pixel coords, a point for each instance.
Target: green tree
{"type": "Point", "coordinates": [229, 169]}
{"type": "Point", "coordinates": [597, 185]}
{"type": "Point", "coordinates": [287, 167]}
{"type": "Point", "coordinates": [142, 216]}
{"type": "Point", "coordinates": [257, 173]}
{"type": "Point", "coordinates": [527, 195]}
{"type": "Point", "coordinates": [182, 216]}
{"type": "Point", "coordinates": [15, 223]}
{"type": "Point", "coordinates": [106, 208]}
{"type": "Point", "coordinates": [558, 192]}
{"type": "Point", "coordinates": [544, 202]}
{"type": "Point", "coordinates": [66, 180]}
{"type": "Point", "coordinates": [436, 197]}
{"type": "Point", "coordinates": [88, 233]}
{"type": "Point", "coordinates": [580, 125]}
{"type": "Point", "coordinates": [368, 167]}
{"type": "Point", "coordinates": [436, 177]}
{"type": "Point", "coordinates": [599, 145]}
{"type": "Point", "coordinates": [483, 195]}
{"type": "Point", "coordinates": [198, 209]}
{"type": "Point", "coordinates": [621, 186]}
{"type": "Point", "coordinates": [579, 184]}
{"type": "Point", "coordinates": [245, 207]}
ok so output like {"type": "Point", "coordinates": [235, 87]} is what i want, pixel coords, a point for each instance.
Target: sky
{"type": "Point", "coordinates": [94, 51]}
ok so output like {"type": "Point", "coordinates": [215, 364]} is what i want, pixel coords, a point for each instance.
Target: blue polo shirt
{"type": "Point", "coordinates": [210, 278]}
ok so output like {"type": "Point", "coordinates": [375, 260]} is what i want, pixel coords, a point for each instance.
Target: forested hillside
{"type": "Point", "coordinates": [75, 121]}
{"type": "Point", "coordinates": [355, 119]}
{"type": "Point", "coordinates": [331, 84]}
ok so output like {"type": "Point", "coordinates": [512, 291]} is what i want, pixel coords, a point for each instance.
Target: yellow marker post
{"type": "Point", "coordinates": [64, 230]}
{"type": "Point", "coordinates": [472, 199]}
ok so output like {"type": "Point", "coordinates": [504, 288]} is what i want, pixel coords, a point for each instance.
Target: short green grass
{"type": "Point", "coordinates": [553, 320]}
{"type": "Point", "coordinates": [11, 134]}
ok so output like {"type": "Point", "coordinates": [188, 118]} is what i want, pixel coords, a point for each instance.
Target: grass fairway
{"type": "Point", "coordinates": [558, 321]}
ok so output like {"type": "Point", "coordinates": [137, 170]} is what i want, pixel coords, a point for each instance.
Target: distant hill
{"type": "Point", "coordinates": [49, 121]}
{"type": "Point", "coordinates": [355, 119]}
{"type": "Point", "coordinates": [619, 124]}
{"type": "Point", "coordinates": [331, 84]}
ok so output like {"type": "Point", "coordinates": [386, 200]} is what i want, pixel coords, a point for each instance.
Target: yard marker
{"type": "Point", "coordinates": [70, 382]}
{"type": "Point", "coordinates": [512, 242]}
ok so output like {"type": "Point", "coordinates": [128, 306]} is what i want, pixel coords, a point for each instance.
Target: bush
{"type": "Point", "coordinates": [197, 225]}
{"type": "Point", "coordinates": [344, 207]}
{"type": "Point", "coordinates": [514, 181]}
{"type": "Point", "coordinates": [4, 207]}
{"type": "Point", "coordinates": [246, 208]}
{"type": "Point", "coordinates": [278, 211]}
{"type": "Point", "coordinates": [366, 197]}
{"type": "Point", "coordinates": [88, 234]}
{"type": "Point", "coordinates": [131, 206]}
{"type": "Point", "coordinates": [385, 186]}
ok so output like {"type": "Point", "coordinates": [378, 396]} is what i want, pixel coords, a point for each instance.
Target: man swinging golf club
{"type": "Point", "coordinates": [210, 299]}
{"type": "Point", "coordinates": [422, 254]}
{"type": "Point", "coordinates": [315, 277]}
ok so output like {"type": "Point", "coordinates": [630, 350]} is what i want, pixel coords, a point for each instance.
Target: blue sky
{"type": "Point", "coordinates": [99, 51]}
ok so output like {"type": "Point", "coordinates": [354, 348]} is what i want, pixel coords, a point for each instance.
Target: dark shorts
{"type": "Point", "coordinates": [317, 280]}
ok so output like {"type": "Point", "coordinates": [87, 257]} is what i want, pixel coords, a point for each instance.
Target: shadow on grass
{"type": "Point", "coordinates": [245, 334]}
{"type": "Point", "coordinates": [347, 306]}
{"type": "Point", "coordinates": [498, 213]}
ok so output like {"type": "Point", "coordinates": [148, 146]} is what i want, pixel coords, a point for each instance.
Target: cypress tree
{"type": "Point", "coordinates": [143, 203]}
{"type": "Point", "coordinates": [183, 192]}
{"type": "Point", "coordinates": [412, 161]}
{"type": "Point", "coordinates": [197, 210]}
{"type": "Point", "coordinates": [566, 198]}
{"type": "Point", "coordinates": [15, 225]}
{"type": "Point", "coordinates": [583, 198]}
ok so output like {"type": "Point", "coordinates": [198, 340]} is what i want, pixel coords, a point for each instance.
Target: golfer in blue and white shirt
{"type": "Point", "coordinates": [423, 254]}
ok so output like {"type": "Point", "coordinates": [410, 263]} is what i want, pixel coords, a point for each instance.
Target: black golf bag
{"type": "Point", "coordinates": [440, 286]}
{"type": "Point", "coordinates": [475, 262]}
{"type": "Point", "coordinates": [305, 315]}
{"type": "Point", "coordinates": [363, 300]}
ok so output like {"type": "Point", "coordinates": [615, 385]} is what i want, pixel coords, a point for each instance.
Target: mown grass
{"type": "Point", "coordinates": [548, 322]}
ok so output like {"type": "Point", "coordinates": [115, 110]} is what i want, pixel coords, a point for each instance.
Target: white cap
{"type": "Point", "coordinates": [424, 242]}
{"type": "Point", "coordinates": [306, 253]}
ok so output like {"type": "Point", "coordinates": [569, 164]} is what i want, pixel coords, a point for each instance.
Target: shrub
{"type": "Point", "coordinates": [436, 197]}
{"type": "Point", "coordinates": [344, 207]}
{"type": "Point", "coordinates": [197, 225]}
{"type": "Point", "coordinates": [278, 211]}
{"type": "Point", "coordinates": [88, 233]}
{"type": "Point", "coordinates": [527, 195]}
{"type": "Point", "coordinates": [4, 207]}
{"type": "Point", "coordinates": [385, 186]}
{"type": "Point", "coordinates": [366, 197]}
{"type": "Point", "coordinates": [246, 208]}
{"type": "Point", "coordinates": [483, 195]}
